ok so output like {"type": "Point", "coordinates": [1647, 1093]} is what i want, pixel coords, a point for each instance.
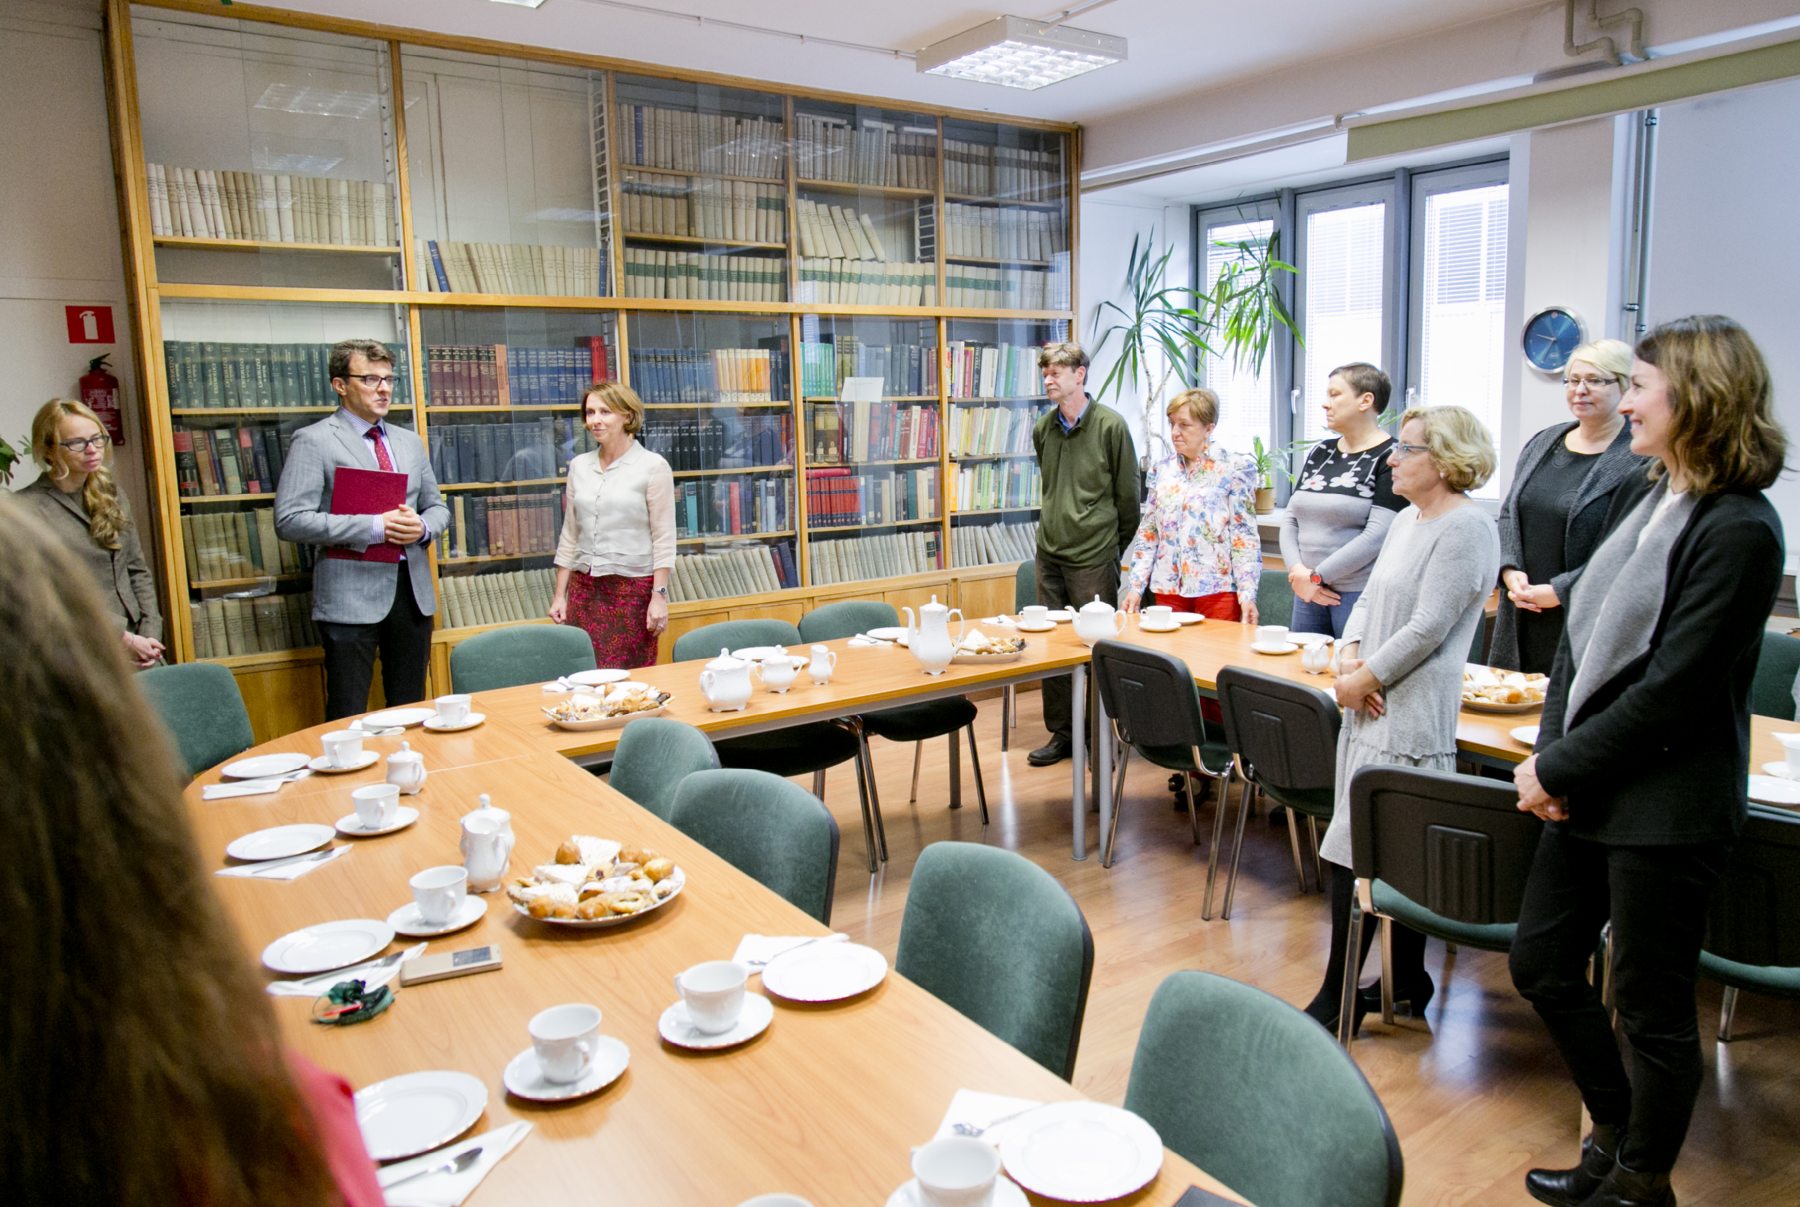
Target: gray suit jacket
{"type": "Point", "coordinates": [347, 591]}
{"type": "Point", "coordinates": [126, 587]}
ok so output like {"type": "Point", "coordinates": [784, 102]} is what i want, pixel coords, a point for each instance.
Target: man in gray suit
{"type": "Point", "coordinates": [364, 606]}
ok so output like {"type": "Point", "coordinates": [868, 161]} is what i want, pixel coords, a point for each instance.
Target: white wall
{"type": "Point", "coordinates": [1108, 227]}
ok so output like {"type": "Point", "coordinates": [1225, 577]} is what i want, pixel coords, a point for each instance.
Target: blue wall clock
{"type": "Point", "coordinates": [1549, 337]}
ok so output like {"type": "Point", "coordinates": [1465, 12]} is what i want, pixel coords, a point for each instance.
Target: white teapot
{"type": "Point", "coordinates": [406, 770]}
{"type": "Point", "coordinates": [726, 683]}
{"type": "Point", "coordinates": [1098, 620]}
{"type": "Point", "coordinates": [928, 637]}
{"type": "Point", "coordinates": [487, 843]}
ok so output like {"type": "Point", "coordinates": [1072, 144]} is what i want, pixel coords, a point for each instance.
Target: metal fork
{"type": "Point", "coordinates": [278, 865]}
{"type": "Point", "coordinates": [456, 1164]}
{"type": "Point", "coordinates": [876, 640]}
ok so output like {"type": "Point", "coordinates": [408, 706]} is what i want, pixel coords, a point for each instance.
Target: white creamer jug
{"type": "Point", "coordinates": [487, 843]}
{"type": "Point", "coordinates": [406, 770]}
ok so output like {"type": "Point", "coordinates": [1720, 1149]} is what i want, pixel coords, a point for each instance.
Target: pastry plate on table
{"type": "Point", "coordinates": [396, 718]}
{"type": "Point", "coordinates": [525, 1078]}
{"type": "Point", "coordinates": [622, 702]}
{"type": "Point", "coordinates": [326, 946]}
{"type": "Point", "coordinates": [350, 826]}
{"type": "Point", "coordinates": [407, 921]}
{"type": "Point", "coordinates": [595, 882]}
{"type": "Point", "coordinates": [674, 1026]}
{"type": "Point", "coordinates": [599, 678]}
{"type": "Point", "coordinates": [1081, 1152]}
{"type": "Point", "coordinates": [279, 842]}
{"type": "Point", "coordinates": [1489, 689]}
{"type": "Point", "coordinates": [978, 649]}
{"type": "Point", "coordinates": [263, 766]}
{"type": "Point", "coordinates": [363, 761]}
{"type": "Point", "coordinates": [1005, 1194]}
{"type": "Point", "coordinates": [825, 972]}
{"type": "Point", "coordinates": [417, 1112]}
{"type": "Point", "coordinates": [1773, 790]}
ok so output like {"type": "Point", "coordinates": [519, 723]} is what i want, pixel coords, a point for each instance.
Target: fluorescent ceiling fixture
{"type": "Point", "coordinates": [1018, 52]}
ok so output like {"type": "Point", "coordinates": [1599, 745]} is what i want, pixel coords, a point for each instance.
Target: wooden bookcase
{"type": "Point", "coordinates": [515, 223]}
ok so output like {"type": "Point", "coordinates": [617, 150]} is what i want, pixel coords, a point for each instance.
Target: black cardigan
{"type": "Point", "coordinates": [1660, 753]}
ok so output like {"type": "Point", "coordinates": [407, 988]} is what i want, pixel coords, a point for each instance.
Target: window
{"type": "Point", "coordinates": [1344, 265]}
{"type": "Point", "coordinates": [1246, 396]}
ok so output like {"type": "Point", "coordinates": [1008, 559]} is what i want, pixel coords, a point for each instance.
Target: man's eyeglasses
{"type": "Point", "coordinates": [374, 381]}
{"type": "Point", "coordinates": [82, 446]}
{"type": "Point", "coordinates": [1592, 383]}
{"type": "Point", "coordinates": [1403, 451]}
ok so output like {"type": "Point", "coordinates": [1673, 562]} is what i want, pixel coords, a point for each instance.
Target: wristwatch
{"type": "Point", "coordinates": [663, 591]}
{"type": "Point", "coordinates": [1315, 579]}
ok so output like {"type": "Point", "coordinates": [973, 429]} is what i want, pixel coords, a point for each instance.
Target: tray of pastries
{"type": "Point", "coordinates": [1489, 689]}
{"type": "Point", "coordinates": [977, 646]}
{"type": "Point", "coordinates": [621, 702]}
{"type": "Point", "coordinates": [596, 882]}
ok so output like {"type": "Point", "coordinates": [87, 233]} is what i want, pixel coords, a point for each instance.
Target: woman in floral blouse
{"type": "Point", "coordinates": [1197, 549]}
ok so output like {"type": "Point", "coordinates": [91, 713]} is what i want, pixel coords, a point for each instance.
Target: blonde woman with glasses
{"type": "Point", "coordinates": [76, 496]}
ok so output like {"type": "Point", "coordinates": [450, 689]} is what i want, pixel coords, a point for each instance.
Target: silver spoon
{"type": "Point", "coordinates": [972, 1129]}
{"type": "Point", "coordinates": [457, 1164]}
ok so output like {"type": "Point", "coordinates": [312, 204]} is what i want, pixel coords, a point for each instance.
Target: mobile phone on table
{"type": "Point", "coordinates": [445, 964]}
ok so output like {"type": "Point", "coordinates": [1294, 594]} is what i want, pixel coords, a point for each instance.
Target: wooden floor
{"type": "Point", "coordinates": [1476, 1092]}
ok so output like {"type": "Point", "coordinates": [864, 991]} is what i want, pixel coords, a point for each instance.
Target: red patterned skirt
{"type": "Point", "coordinates": [611, 609]}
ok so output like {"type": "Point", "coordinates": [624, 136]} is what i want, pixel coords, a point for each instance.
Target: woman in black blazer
{"type": "Point", "coordinates": [1644, 749]}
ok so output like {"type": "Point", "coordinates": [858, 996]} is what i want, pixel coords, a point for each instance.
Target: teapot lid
{"type": "Point", "coordinates": [725, 662]}
{"type": "Point", "coordinates": [1099, 605]}
{"type": "Point", "coordinates": [933, 606]}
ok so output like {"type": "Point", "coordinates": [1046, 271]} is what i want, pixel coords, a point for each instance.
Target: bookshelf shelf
{"type": "Point", "coordinates": [486, 558]}
{"type": "Point", "coordinates": [958, 457]}
{"type": "Point", "coordinates": [872, 462]}
{"type": "Point", "coordinates": [217, 584]}
{"type": "Point", "coordinates": [715, 537]}
{"type": "Point", "coordinates": [827, 401]}
{"type": "Point", "coordinates": [626, 166]}
{"type": "Point", "coordinates": [1024, 398]}
{"type": "Point", "coordinates": [448, 487]}
{"type": "Point", "coordinates": [255, 498]}
{"type": "Point", "coordinates": [992, 511]}
{"type": "Point", "coordinates": [867, 190]}
{"type": "Point", "coordinates": [193, 243]}
{"type": "Point", "coordinates": [710, 406]}
{"type": "Point", "coordinates": [820, 530]}
{"type": "Point", "coordinates": [733, 469]}
{"type": "Point", "coordinates": [702, 241]}
{"type": "Point", "coordinates": [441, 409]}
{"type": "Point", "coordinates": [203, 412]}
{"type": "Point", "coordinates": [994, 262]}
{"type": "Point", "coordinates": [978, 199]}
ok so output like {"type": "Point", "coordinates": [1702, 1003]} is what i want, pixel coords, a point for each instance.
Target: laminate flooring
{"type": "Point", "coordinates": [1475, 1090]}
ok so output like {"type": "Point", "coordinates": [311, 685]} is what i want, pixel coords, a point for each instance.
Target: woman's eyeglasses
{"type": "Point", "coordinates": [1592, 383]}
{"type": "Point", "coordinates": [1402, 451]}
{"type": "Point", "coordinates": [82, 446]}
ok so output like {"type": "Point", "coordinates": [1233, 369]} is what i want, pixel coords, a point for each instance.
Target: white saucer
{"type": "Point", "coordinates": [757, 653]}
{"type": "Point", "coordinates": [406, 920]}
{"type": "Point", "coordinates": [1005, 1194]}
{"type": "Point", "coordinates": [1769, 790]}
{"type": "Point", "coordinates": [1023, 627]}
{"type": "Point", "coordinates": [892, 632]}
{"type": "Point", "coordinates": [1188, 618]}
{"type": "Point", "coordinates": [674, 1026]}
{"type": "Point", "coordinates": [1525, 735]}
{"type": "Point", "coordinates": [1285, 647]}
{"type": "Point", "coordinates": [1780, 770]}
{"type": "Point", "coordinates": [525, 1079]}
{"type": "Point", "coordinates": [279, 842]}
{"type": "Point", "coordinates": [349, 827]}
{"type": "Point", "coordinates": [404, 718]}
{"type": "Point", "coordinates": [1062, 615]}
{"type": "Point", "coordinates": [1171, 627]}
{"type": "Point", "coordinates": [825, 972]}
{"type": "Point", "coordinates": [262, 766]}
{"type": "Point", "coordinates": [470, 722]}
{"type": "Point", "coordinates": [321, 763]}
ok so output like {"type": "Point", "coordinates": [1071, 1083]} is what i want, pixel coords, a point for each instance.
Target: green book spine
{"type": "Point", "coordinates": [212, 379]}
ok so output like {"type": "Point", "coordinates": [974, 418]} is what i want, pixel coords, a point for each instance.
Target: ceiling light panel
{"type": "Point", "coordinates": [1017, 52]}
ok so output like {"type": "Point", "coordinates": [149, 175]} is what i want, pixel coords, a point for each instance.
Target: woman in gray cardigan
{"type": "Point", "coordinates": [1553, 516]}
{"type": "Point", "coordinates": [76, 496]}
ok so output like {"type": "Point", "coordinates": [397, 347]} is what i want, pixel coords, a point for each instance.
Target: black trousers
{"type": "Point", "coordinates": [1408, 947]}
{"type": "Point", "coordinates": [1656, 898]}
{"type": "Point", "coordinates": [403, 638]}
{"type": "Point", "coordinates": [1061, 586]}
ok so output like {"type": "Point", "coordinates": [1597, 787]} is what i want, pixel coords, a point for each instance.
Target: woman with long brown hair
{"type": "Point", "coordinates": [139, 1060]}
{"type": "Point", "coordinates": [76, 496]}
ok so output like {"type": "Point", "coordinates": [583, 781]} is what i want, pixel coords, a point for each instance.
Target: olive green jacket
{"type": "Point", "coordinates": [1090, 481]}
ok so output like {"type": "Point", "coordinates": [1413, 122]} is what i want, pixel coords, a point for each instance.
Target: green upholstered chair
{"type": "Point", "coordinates": [526, 653]}
{"type": "Point", "coordinates": [1753, 931]}
{"type": "Point", "coordinates": [654, 755]}
{"type": "Point", "coordinates": [1772, 690]}
{"type": "Point", "coordinates": [1024, 592]}
{"type": "Point", "coordinates": [1025, 584]}
{"type": "Point", "coordinates": [1255, 1093]}
{"type": "Point", "coordinates": [201, 707]}
{"type": "Point", "coordinates": [913, 723]}
{"type": "Point", "coordinates": [770, 829]}
{"type": "Point", "coordinates": [806, 749]}
{"type": "Point", "coordinates": [1274, 598]}
{"type": "Point", "coordinates": [997, 937]}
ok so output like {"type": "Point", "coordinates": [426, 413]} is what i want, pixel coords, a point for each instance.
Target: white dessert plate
{"type": "Point", "coordinates": [1081, 1152]}
{"type": "Point", "coordinates": [405, 718]}
{"type": "Point", "coordinates": [1526, 735]}
{"type": "Point", "coordinates": [756, 653]}
{"type": "Point", "coordinates": [526, 1079]}
{"type": "Point", "coordinates": [675, 1027]}
{"type": "Point", "coordinates": [469, 722]}
{"type": "Point", "coordinates": [1780, 770]}
{"type": "Point", "coordinates": [825, 972]}
{"type": "Point", "coordinates": [678, 876]}
{"type": "Point", "coordinates": [1769, 790]}
{"type": "Point", "coordinates": [406, 919]}
{"type": "Point", "coordinates": [1144, 626]}
{"type": "Point", "coordinates": [599, 678]}
{"type": "Point", "coordinates": [1277, 647]}
{"type": "Point", "coordinates": [1188, 618]}
{"type": "Point", "coordinates": [416, 1112]}
{"type": "Point", "coordinates": [1005, 1194]}
{"type": "Point", "coordinates": [351, 826]}
{"type": "Point", "coordinates": [326, 946]}
{"type": "Point", "coordinates": [892, 632]}
{"type": "Point", "coordinates": [279, 842]}
{"type": "Point", "coordinates": [364, 760]}
{"type": "Point", "coordinates": [262, 766]}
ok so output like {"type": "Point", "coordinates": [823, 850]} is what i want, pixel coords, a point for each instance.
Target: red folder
{"type": "Point", "coordinates": [366, 492]}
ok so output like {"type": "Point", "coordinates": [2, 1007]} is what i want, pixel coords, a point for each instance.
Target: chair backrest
{"type": "Point", "coordinates": [767, 827]}
{"type": "Point", "coordinates": [1150, 695]}
{"type": "Point", "coordinates": [847, 618]}
{"type": "Point", "coordinates": [1025, 584]}
{"type": "Point", "coordinates": [201, 707]}
{"type": "Point", "coordinates": [1755, 916]}
{"type": "Point", "coordinates": [1287, 732]}
{"type": "Point", "coordinates": [994, 935]}
{"type": "Point", "coordinates": [1455, 844]}
{"type": "Point", "coordinates": [707, 640]}
{"type": "Point", "coordinates": [1772, 690]}
{"type": "Point", "coordinates": [1274, 598]}
{"type": "Point", "coordinates": [1261, 1097]}
{"type": "Point", "coordinates": [526, 653]}
{"type": "Point", "coordinates": [654, 755]}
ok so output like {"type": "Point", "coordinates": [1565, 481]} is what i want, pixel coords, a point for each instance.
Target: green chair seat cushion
{"type": "Point", "coordinates": [1493, 936]}
{"type": "Point", "coordinates": [795, 750]}
{"type": "Point", "coordinates": [1313, 802]}
{"type": "Point", "coordinates": [1757, 978]}
{"type": "Point", "coordinates": [1181, 758]}
{"type": "Point", "coordinates": [917, 722]}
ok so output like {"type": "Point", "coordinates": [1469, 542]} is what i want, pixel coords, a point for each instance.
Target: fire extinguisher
{"type": "Point", "coordinates": [100, 390]}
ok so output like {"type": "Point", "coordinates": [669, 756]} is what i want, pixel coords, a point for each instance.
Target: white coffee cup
{"type": "Point", "coordinates": [778, 674]}
{"type": "Point", "coordinates": [1035, 614]}
{"type": "Point", "coordinates": [1158, 616]}
{"type": "Point", "coordinates": [438, 891]}
{"type": "Point", "coordinates": [452, 710]}
{"type": "Point", "coordinates": [343, 747]}
{"type": "Point", "coordinates": [957, 1171]}
{"type": "Point", "coordinates": [1271, 634]}
{"type": "Point", "coordinates": [376, 805]}
{"type": "Point", "coordinates": [564, 1038]}
{"type": "Point", "coordinates": [714, 993]}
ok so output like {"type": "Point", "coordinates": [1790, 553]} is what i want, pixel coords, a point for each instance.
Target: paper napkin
{"type": "Point", "coordinates": [446, 1189]}
{"type": "Point", "coordinates": [291, 871]}
{"type": "Point", "coordinates": [1004, 622]}
{"type": "Point", "coordinates": [246, 787]}
{"type": "Point", "coordinates": [979, 1110]}
{"type": "Point", "coordinates": [757, 950]}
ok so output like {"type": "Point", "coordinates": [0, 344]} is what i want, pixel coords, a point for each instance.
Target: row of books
{"type": "Point", "coordinates": [990, 485]}
{"type": "Point", "coordinates": [722, 144]}
{"type": "Point", "coordinates": [709, 374]}
{"type": "Point", "coordinates": [733, 505]}
{"type": "Point", "coordinates": [510, 525]}
{"type": "Point", "coordinates": [654, 272]}
{"type": "Point", "coordinates": [866, 283]}
{"type": "Point", "coordinates": [258, 624]}
{"type": "Point", "coordinates": [851, 233]}
{"type": "Point", "coordinates": [496, 597]}
{"type": "Point", "coordinates": [991, 431]}
{"type": "Point", "coordinates": [228, 546]}
{"type": "Point", "coordinates": [453, 266]}
{"type": "Point", "coordinates": [758, 438]}
{"type": "Point", "coordinates": [905, 368]}
{"type": "Point", "coordinates": [242, 460]}
{"type": "Point", "coordinates": [854, 432]}
{"type": "Point", "coordinates": [1012, 173]}
{"type": "Point", "coordinates": [746, 569]}
{"type": "Point", "coordinates": [499, 375]}
{"type": "Point", "coordinates": [1007, 288]}
{"type": "Point", "coordinates": [719, 209]}
{"type": "Point", "coordinates": [991, 233]}
{"type": "Point", "coordinates": [506, 450]}
{"type": "Point", "coordinates": [852, 559]}
{"type": "Point", "coordinates": [869, 152]}
{"type": "Point", "coordinates": [845, 498]}
{"type": "Point", "coordinates": [991, 544]}
{"type": "Point", "coordinates": [207, 373]}
{"type": "Point", "coordinates": [269, 207]}
{"type": "Point", "coordinates": [984, 370]}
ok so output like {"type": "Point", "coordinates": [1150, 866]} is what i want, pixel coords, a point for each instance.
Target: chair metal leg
{"type": "Point", "coordinates": [1218, 838]}
{"type": "Point", "coordinates": [1294, 843]}
{"type": "Point", "coordinates": [1112, 834]}
{"type": "Point", "coordinates": [1009, 716]}
{"type": "Point", "coordinates": [955, 771]}
{"type": "Point", "coordinates": [1727, 1011]}
{"type": "Point", "coordinates": [1387, 972]}
{"type": "Point", "coordinates": [1193, 806]}
{"type": "Point", "coordinates": [819, 783]}
{"type": "Point", "coordinates": [1312, 829]}
{"type": "Point", "coordinates": [1237, 853]}
{"type": "Point", "coordinates": [975, 766]}
{"type": "Point", "coordinates": [918, 753]}
{"type": "Point", "coordinates": [1352, 968]}
{"type": "Point", "coordinates": [870, 842]}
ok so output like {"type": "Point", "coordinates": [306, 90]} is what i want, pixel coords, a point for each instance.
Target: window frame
{"type": "Point", "coordinates": [1278, 366]}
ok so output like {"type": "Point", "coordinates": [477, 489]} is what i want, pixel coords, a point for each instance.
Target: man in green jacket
{"type": "Point", "coordinates": [1089, 514]}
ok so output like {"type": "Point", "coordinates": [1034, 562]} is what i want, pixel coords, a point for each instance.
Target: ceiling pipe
{"type": "Point", "coordinates": [1633, 15]}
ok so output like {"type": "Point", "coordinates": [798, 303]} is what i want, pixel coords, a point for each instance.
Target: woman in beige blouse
{"type": "Point", "coordinates": [618, 537]}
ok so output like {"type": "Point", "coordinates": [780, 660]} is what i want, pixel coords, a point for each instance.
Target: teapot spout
{"type": "Point", "coordinates": [912, 623]}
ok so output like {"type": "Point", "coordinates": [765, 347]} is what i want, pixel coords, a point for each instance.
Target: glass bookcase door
{"type": "Point", "coordinates": [703, 195]}
{"type": "Point", "coordinates": [242, 378]}
{"type": "Point", "coordinates": [507, 169]}
{"type": "Point", "coordinates": [874, 447]}
{"type": "Point", "coordinates": [269, 153]}
{"type": "Point", "coordinates": [1005, 226]}
{"type": "Point", "coordinates": [718, 406]}
{"type": "Point", "coordinates": [996, 395]}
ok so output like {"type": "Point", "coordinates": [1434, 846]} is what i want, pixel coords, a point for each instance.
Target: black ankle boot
{"type": "Point", "coordinates": [1573, 1187]}
{"type": "Point", "coordinates": [1413, 999]}
{"type": "Point", "coordinates": [1627, 1188]}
